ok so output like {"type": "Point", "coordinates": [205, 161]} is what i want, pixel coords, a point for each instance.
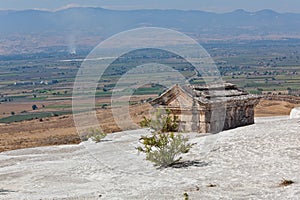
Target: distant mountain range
{"type": "Point", "coordinates": [56, 27]}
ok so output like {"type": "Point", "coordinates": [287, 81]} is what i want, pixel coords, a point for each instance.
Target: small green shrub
{"type": "Point", "coordinates": [186, 196]}
{"type": "Point", "coordinates": [171, 123]}
{"type": "Point", "coordinates": [95, 134]}
{"type": "Point", "coordinates": [99, 137]}
{"type": "Point", "coordinates": [34, 107]}
{"type": "Point", "coordinates": [164, 149]}
{"type": "Point", "coordinates": [163, 122]}
{"type": "Point", "coordinates": [145, 122]}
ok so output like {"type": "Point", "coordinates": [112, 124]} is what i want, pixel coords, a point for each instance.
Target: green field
{"type": "Point", "coordinates": [255, 66]}
{"type": "Point", "coordinates": [31, 116]}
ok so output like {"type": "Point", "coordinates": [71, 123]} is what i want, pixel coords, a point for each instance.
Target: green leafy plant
{"type": "Point", "coordinates": [34, 107]}
{"type": "Point", "coordinates": [163, 121]}
{"type": "Point", "coordinates": [145, 122]}
{"type": "Point", "coordinates": [164, 149]}
{"type": "Point", "coordinates": [171, 123]}
{"type": "Point", "coordinates": [186, 196]}
{"type": "Point", "coordinates": [95, 134]}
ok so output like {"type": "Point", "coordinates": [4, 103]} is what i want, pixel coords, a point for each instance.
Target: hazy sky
{"type": "Point", "coordinates": [206, 5]}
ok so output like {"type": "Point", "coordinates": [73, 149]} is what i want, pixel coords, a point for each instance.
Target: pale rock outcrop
{"type": "Point", "coordinates": [295, 113]}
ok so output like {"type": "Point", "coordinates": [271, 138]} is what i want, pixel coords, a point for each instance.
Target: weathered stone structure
{"type": "Point", "coordinates": [209, 108]}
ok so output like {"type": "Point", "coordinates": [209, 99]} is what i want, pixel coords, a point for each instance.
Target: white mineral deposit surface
{"type": "Point", "coordinates": [295, 113]}
{"type": "Point", "coordinates": [243, 163]}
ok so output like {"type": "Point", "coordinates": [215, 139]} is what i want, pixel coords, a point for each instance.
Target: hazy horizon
{"type": "Point", "coordinates": [70, 7]}
{"type": "Point", "coordinates": [218, 6]}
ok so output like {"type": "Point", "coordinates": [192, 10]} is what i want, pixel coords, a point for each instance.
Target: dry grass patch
{"type": "Point", "coordinates": [211, 185]}
{"type": "Point", "coordinates": [285, 182]}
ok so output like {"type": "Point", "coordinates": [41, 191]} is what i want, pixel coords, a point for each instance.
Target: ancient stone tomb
{"type": "Point", "coordinates": [209, 108]}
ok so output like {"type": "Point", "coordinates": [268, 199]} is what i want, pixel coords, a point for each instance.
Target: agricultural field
{"type": "Point", "coordinates": [37, 86]}
{"type": "Point", "coordinates": [36, 89]}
